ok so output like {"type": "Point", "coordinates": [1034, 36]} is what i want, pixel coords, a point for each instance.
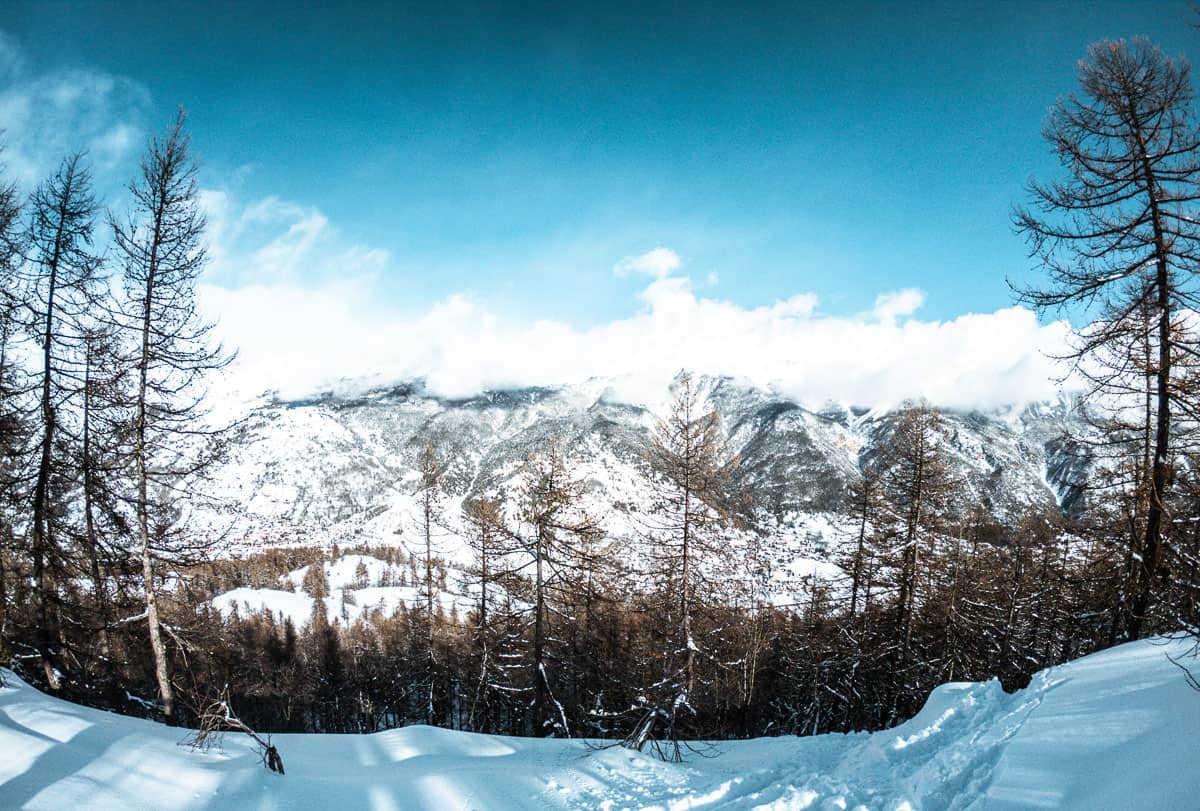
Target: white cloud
{"type": "Point", "coordinates": [49, 115]}
{"type": "Point", "coordinates": [12, 58]}
{"type": "Point", "coordinates": [115, 143]}
{"type": "Point", "coordinates": [897, 304]}
{"type": "Point", "coordinates": [272, 242]}
{"type": "Point", "coordinates": [659, 263]}
{"type": "Point", "coordinates": [299, 338]}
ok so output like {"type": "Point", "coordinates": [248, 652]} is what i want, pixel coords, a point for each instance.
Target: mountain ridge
{"type": "Point", "coordinates": [333, 465]}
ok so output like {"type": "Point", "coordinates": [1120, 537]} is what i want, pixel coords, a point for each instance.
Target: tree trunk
{"type": "Point", "coordinates": [157, 647]}
{"type": "Point", "coordinates": [91, 540]}
{"type": "Point", "coordinates": [430, 716]}
{"type": "Point", "coordinates": [856, 569]}
{"type": "Point", "coordinates": [40, 531]}
{"type": "Point", "coordinates": [1148, 566]}
{"type": "Point", "coordinates": [483, 632]}
{"type": "Point", "coordinates": [539, 638]}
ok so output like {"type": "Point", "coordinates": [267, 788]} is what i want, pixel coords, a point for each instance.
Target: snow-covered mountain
{"type": "Point", "coordinates": [341, 468]}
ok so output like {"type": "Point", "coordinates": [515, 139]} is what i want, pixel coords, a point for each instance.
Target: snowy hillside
{"type": "Point", "coordinates": [359, 586]}
{"type": "Point", "coordinates": [340, 469]}
{"type": "Point", "coordinates": [1108, 731]}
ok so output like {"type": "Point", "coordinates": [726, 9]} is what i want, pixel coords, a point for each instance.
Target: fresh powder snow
{"type": "Point", "coordinates": [1114, 730]}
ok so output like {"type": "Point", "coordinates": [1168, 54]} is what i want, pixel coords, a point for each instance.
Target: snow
{"type": "Point", "coordinates": [348, 599]}
{"type": "Point", "coordinates": [270, 493]}
{"type": "Point", "coordinates": [281, 605]}
{"type": "Point", "coordinates": [342, 573]}
{"type": "Point", "coordinates": [1109, 731]}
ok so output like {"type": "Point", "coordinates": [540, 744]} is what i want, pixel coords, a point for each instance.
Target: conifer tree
{"type": "Point", "coordinates": [556, 529]}
{"type": "Point", "coordinates": [1118, 239]}
{"type": "Point", "coordinates": [61, 275]}
{"type": "Point", "coordinates": [429, 494]}
{"type": "Point", "coordinates": [161, 251]}
{"type": "Point", "coordinates": [694, 508]}
{"type": "Point", "coordinates": [14, 422]}
{"type": "Point", "coordinates": [495, 625]}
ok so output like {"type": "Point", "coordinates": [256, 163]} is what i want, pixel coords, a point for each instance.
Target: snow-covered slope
{"type": "Point", "coordinates": [1111, 731]}
{"type": "Point", "coordinates": [341, 470]}
{"type": "Point", "coordinates": [358, 586]}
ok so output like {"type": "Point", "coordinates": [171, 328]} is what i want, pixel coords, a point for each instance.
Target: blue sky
{"type": "Point", "coordinates": [514, 154]}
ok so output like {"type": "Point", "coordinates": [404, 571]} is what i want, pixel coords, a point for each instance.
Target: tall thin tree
{"type": "Point", "coordinates": [161, 248]}
{"type": "Point", "coordinates": [558, 529]}
{"type": "Point", "coordinates": [694, 507]}
{"type": "Point", "coordinates": [429, 495]}
{"type": "Point", "coordinates": [62, 275]}
{"type": "Point", "coordinates": [13, 421]}
{"type": "Point", "coordinates": [1123, 216]}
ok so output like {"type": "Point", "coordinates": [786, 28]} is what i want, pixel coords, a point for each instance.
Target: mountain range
{"type": "Point", "coordinates": [341, 469]}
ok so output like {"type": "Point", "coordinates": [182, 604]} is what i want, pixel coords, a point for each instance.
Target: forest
{"type": "Point", "coordinates": [655, 640]}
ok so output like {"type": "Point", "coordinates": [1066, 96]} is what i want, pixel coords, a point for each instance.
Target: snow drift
{"type": "Point", "coordinates": [1113, 730]}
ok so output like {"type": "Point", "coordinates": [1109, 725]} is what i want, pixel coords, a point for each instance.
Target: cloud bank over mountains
{"type": "Point", "coordinates": [299, 339]}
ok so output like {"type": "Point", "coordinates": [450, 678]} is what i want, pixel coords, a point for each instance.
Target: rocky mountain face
{"type": "Point", "coordinates": [341, 469]}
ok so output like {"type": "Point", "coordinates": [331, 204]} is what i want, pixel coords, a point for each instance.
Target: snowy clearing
{"type": "Point", "coordinates": [1112, 730]}
{"type": "Point", "coordinates": [350, 597]}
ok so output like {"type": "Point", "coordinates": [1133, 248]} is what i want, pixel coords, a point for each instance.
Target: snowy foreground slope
{"type": "Point", "coordinates": [1115, 730]}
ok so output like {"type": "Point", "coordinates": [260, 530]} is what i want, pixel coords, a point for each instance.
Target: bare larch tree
{"type": "Point", "coordinates": [61, 274]}
{"type": "Point", "coordinates": [161, 250]}
{"type": "Point", "coordinates": [557, 529]}
{"type": "Point", "coordinates": [1118, 234]}
{"type": "Point", "coordinates": [694, 507]}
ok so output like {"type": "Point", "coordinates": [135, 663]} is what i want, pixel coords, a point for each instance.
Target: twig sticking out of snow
{"type": "Point", "coordinates": [218, 717]}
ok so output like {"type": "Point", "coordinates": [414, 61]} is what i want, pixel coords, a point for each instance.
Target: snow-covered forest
{"type": "Point", "coordinates": [660, 582]}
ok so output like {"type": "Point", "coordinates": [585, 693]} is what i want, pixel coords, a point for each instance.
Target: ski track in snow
{"type": "Point", "coordinates": [1110, 731]}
